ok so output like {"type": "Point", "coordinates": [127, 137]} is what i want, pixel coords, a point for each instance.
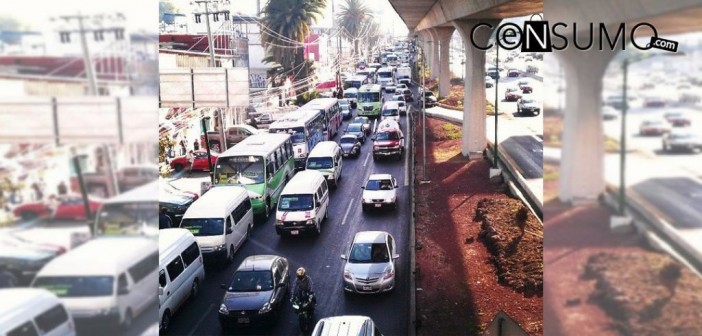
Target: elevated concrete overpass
{"type": "Point", "coordinates": [434, 21]}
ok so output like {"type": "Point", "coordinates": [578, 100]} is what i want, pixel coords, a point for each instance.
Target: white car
{"type": "Point", "coordinates": [400, 87]}
{"type": "Point", "coordinates": [654, 127]}
{"type": "Point", "coordinates": [489, 82]}
{"type": "Point", "coordinates": [390, 86]}
{"type": "Point", "coordinates": [391, 110]}
{"type": "Point", "coordinates": [379, 191]}
{"type": "Point", "coordinates": [681, 139]}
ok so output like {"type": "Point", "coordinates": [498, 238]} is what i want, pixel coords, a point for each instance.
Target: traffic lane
{"type": "Point", "coordinates": [527, 152]}
{"type": "Point", "coordinates": [508, 109]}
{"type": "Point", "coordinates": [677, 198]}
{"type": "Point", "coordinates": [321, 260]}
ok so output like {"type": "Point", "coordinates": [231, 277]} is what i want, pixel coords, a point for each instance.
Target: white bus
{"type": "Point", "coordinates": [355, 81]}
{"type": "Point", "coordinates": [383, 77]}
{"type": "Point", "coordinates": [306, 129]}
{"type": "Point", "coordinates": [330, 110]}
{"type": "Point", "coordinates": [132, 213]}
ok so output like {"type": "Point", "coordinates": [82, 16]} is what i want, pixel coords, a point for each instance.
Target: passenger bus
{"type": "Point", "coordinates": [306, 129]}
{"type": "Point", "coordinates": [133, 213]}
{"type": "Point", "coordinates": [331, 111]}
{"type": "Point", "coordinates": [355, 81]}
{"type": "Point", "coordinates": [369, 101]}
{"type": "Point", "coordinates": [261, 163]}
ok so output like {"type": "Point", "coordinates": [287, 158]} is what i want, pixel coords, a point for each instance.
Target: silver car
{"type": "Point", "coordinates": [370, 263]}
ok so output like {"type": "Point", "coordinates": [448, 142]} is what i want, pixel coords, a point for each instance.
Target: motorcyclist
{"type": "Point", "coordinates": [303, 287]}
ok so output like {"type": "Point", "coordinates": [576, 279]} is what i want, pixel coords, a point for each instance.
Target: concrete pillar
{"type": "Point", "coordinates": [473, 141]}
{"type": "Point", "coordinates": [582, 159]}
{"type": "Point", "coordinates": [434, 47]}
{"type": "Point", "coordinates": [424, 41]}
{"type": "Point", "coordinates": [444, 73]}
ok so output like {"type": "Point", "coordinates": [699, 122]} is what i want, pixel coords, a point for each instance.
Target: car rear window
{"type": "Point", "coordinates": [52, 318]}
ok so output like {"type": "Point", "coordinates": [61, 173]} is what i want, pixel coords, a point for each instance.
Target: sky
{"type": "Point", "coordinates": [390, 22]}
{"type": "Point", "coordinates": [141, 15]}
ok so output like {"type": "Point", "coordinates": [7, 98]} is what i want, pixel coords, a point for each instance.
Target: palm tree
{"type": "Point", "coordinates": [352, 17]}
{"type": "Point", "coordinates": [285, 25]}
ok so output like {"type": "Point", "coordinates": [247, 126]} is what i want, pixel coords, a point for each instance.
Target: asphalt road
{"type": "Point", "coordinates": [677, 198]}
{"type": "Point", "coordinates": [527, 152]}
{"type": "Point", "coordinates": [321, 257]}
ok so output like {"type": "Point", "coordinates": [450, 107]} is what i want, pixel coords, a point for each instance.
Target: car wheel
{"type": "Point", "coordinates": [267, 209]}
{"type": "Point", "coordinates": [536, 113]}
{"type": "Point", "coordinates": [165, 321]}
{"type": "Point", "coordinates": [194, 289]}
{"type": "Point", "coordinates": [127, 323]}
{"type": "Point", "coordinates": [318, 229]}
{"type": "Point", "coordinates": [230, 255]}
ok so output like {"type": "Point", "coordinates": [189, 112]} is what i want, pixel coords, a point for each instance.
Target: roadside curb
{"type": "Point", "coordinates": [411, 329]}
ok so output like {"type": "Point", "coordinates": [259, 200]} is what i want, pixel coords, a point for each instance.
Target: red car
{"type": "Point", "coordinates": [69, 207]}
{"type": "Point", "coordinates": [525, 86]}
{"type": "Point", "coordinates": [512, 73]}
{"type": "Point", "coordinates": [179, 163]}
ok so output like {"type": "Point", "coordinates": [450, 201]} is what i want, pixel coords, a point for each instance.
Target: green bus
{"type": "Point", "coordinates": [369, 101]}
{"type": "Point", "coordinates": [261, 163]}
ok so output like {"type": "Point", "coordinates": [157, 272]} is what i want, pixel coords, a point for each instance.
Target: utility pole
{"type": "Point", "coordinates": [87, 60]}
{"type": "Point", "coordinates": [215, 13]}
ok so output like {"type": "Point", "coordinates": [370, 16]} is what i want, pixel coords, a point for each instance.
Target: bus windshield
{"type": "Point", "coordinates": [385, 74]}
{"type": "Point", "coordinates": [129, 218]}
{"type": "Point", "coordinates": [296, 203]}
{"type": "Point", "coordinates": [369, 97]}
{"type": "Point", "coordinates": [239, 170]}
{"type": "Point", "coordinates": [319, 163]}
{"type": "Point", "coordinates": [352, 84]}
{"type": "Point", "coordinates": [297, 134]}
{"type": "Point", "coordinates": [204, 226]}
{"type": "Point", "coordinates": [77, 286]}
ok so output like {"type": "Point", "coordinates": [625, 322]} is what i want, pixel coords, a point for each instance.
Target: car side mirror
{"type": "Point", "coordinates": [344, 257]}
{"type": "Point", "coordinates": [160, 291]}
{"type": "Point", "coordinates": [396, 256]}
{"type": "Point", "coordinates": [363, 187]}
{"type": "Point", "coordinates": [124, 290]}
{"type": "Point", "coordinates": [396, 186]}
{"type": "Point", "coordinates": [318, 204]}
{"type": "Point", "coordinates": [222, 286]}
{"type": "Point", "coordinates": [229, 230]}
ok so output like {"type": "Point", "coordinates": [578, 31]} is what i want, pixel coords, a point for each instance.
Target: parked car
{"type": "Point", "coordinates": [256, 292]}
{"type": "Point", "coordinates": [527, 104]}
{"type": "Point", "coordinates": [525, 86]}
{"type": "Point", "coordinates": [380, 191]}
{"type": "Point", "coordinates": [350, 145]}
{"type": "Point", "coordinates": [363, 121]}
{"type": "Point", "coordinates": [429, 97]}
{"type": "Point", "coordinates": [370, 263]}
{"type": "Point", "coordinates": [179, 163]}
{"type": "Point", "coordinates": [357, 130]}
{"type": "Point", "coordinates": [682, 139]}
{"type": "Point", "coordinates": [654, 127]}
{"type": "Point", "coordinates": [512, 94]}
{"type": "Point", "coordinates": [68, 207]}
{"type": "Point", "coordinates": [678, 118]}
{"type": "Point", "coordinates": [175, 205]}
{"type": "Point", "coordinates": [24, 259]}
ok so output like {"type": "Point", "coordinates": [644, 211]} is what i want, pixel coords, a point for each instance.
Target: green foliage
{"type": "Point", "coordinates": [354, 18]}
{"type": "Point", "coordinates": [164, 143]}
{"type": "Point", "coordinates": [489, 107]}
{"type": "Point", "coordinates": [307, 96]}
{"type": "Point", "coordinates": [452, 131]}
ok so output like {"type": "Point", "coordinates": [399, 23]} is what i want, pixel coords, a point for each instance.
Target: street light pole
{"type": "Point", "coordinates": [497, 79]}
{"type": "Point", "coordinates": [424, 120]}
{"type": "Point", "coordinates": [622, 141]}
{"type": "Point", "coordinates": [207, 146]}
{"type": "Point", "coordinates": [209, 36]}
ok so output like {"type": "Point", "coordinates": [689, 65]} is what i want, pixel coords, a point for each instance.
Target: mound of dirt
{"type": "Point", "coordinates": [514, 237]}
{"type": "Point", "coordinates": [646, 293]}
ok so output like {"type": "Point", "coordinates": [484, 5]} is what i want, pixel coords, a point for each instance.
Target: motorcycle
{"type": "Point", "coordinates": [304, 308]}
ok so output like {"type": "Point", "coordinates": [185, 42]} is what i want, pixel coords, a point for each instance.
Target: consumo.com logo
{"type": "Point", "coordinates": [540, 36]}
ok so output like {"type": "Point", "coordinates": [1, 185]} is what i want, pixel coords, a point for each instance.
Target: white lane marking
{"type": "Point", "coordinates": [343, 221]}
{"type": "Point", "coordinates": [365, 162]}
{"type": "Point", "coordinates": [202, 319]}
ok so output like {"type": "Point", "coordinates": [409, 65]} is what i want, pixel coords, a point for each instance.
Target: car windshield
{"type": "Point", "coordinates": [367, 253]}
{"type": "Point", "coordinates": [239, 170]}
{"type": "Point", "coordinates": [360, 121]}
{"type": "Point", "coordinates": [319, 163]}
{"type": "Point", "coordinates": [129, 218]}
{"type": "Point", "coordinates": [390, 112]}
{"type": "Point", "coordinates": [428, 94]}
{"type": "Point", "coordinates": [251, 281]}
{"type": "Point", "coordinates": [201, 227]}
{"type": "Point", "coordinates": [354, 128]}
{"type": "Point", "coordinates": [297, 134]}
{"type": "Point", "coordinates": [682, 136]}
{"type": "Point", "coordinates": [387, 136]}
{"type": "Point", "coordinates": [347, 140]}
{"type": "Point", "coordinates": [385, 74]}
{"type": "Point", "coordinates": [77, 286]}
{"type": "Point", "coordinates": [369, 97]}
{"type": "Point", "coordinates": [295, 203]}
{"type": "Point", "coordinates": [379, 185]}
{"type": "Point", "coordinates": [528, 101]}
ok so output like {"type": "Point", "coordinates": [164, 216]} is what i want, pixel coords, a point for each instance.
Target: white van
{"type": "Point", "coordinates": [180, 272]}
{"type": "Point", "coordinates": [220, 220]}
{"type": "Point", "coordinates": [106, 282]}
{"type": "Point", "coordinates": [303, 204]}
{"type": "Point", "coordinates": [346, 325]}
{"type": "Point", "coordinates": [325, 157]}
{"type": "Point", "coordinates": [33, 311]}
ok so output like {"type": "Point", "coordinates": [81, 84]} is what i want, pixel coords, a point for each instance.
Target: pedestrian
{"type": "Point", "coordinates": [196, 145]}
{"type": "Point", "coordinates": [183, 148]}
{"type": "Point", "coordinates": [7, 279]}
{"type": "Point", "coordinates": [164, 220]}
{"type": "Point", "coordinates": [191, 160]}
{"type": "Point", "coordinates": [38, 195]}
{"type": "Point", "coordinates": [62, 189]}
{"type": "Point", "coordinates": [253, 122]}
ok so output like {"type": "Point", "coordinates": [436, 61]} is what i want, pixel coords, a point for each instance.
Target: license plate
{"type": "Point", "coordinates": [378, 205]}
{"type": "Point", "coordinates": [295, 232]}
{"type": "Point", "coordinates": [243, 320]}
{"type": "Point", "coordinates": [367, 288]}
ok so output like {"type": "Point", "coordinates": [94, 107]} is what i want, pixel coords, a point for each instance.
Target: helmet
{"type": "Point", "coordinates": [300, 272]}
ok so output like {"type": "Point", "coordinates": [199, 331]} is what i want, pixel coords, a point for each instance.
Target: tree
{"type": "Point", "coordinates": [166, 6]}
{"type": "Point", "coordinates": [353, 17]}
{"type": "Point", "coordinates": [285, 25]}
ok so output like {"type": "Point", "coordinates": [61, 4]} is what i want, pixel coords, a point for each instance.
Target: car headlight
{"type": "Point", "coordinates": [390, 200]}
{"type": "Point", "coordinates": [311, 222]}
{"type": "Point", "coordinates": [303, 155]}
{"type": "Point", "coordinates": [278, 222]}
{"type": "Point", "coordinates": [389, 274]}
{"type": "Point", "coordinates": [220, 247]}
{"type": "Point", "coordinates": [348, 275]}
{"type": "Point", "coordinates": [223, 309]}
{"type": "Point", "coordinates": [266, 308]}
{"type": "Point", "coordinates": [366, 200]}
